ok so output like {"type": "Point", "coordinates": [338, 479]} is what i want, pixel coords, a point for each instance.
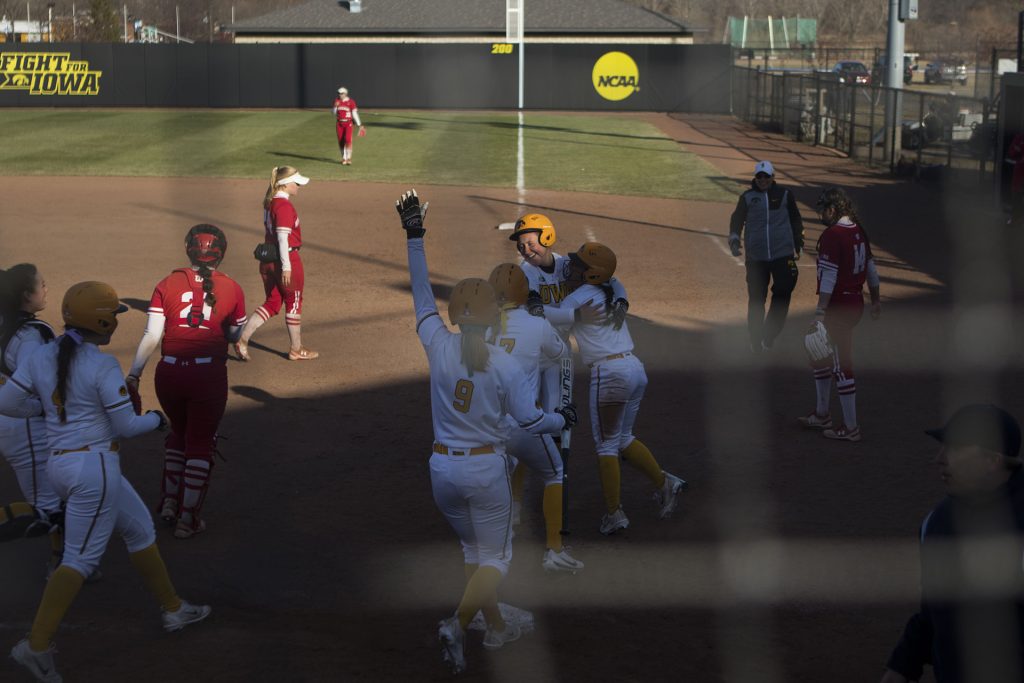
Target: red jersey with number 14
{"type": "Point", "coordinates": [173, 299]}
{"type": "Point", "coordinates": [844, 249]}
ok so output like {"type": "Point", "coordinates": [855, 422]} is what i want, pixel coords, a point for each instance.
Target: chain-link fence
{"type": "Point", "coordinates": [936, 129]}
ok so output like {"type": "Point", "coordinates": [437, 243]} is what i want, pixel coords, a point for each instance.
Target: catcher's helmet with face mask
{"type": "Point", "coordinates": [206, 245]}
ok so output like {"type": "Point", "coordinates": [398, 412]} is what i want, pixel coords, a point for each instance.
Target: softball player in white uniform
{"type": "Point", "coordinates": [82, 394]}
{"type": "Point", "coordinates": [473, 386]}
{"type": "Point", "coordinates": [546, 273]}
{"type": "Point", "coordinates": [535, 345]}
{"type": "Point", "coordinates": [23, 439]}
{"type": "Point", "coordinates": [617, 383]}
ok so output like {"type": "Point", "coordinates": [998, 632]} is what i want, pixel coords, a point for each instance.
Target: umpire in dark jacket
{"type": "Point", "coordinates": [971, 623]}
{"type": "Point", "coordinates": [773, 234]}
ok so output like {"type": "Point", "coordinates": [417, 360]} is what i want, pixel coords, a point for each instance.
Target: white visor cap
{"type": "Point", "coordinates": [342, 91]}
{"type": "Point", "coordinates": [296, 178]}
{"type": "Point", "coordinates": [764, 167]}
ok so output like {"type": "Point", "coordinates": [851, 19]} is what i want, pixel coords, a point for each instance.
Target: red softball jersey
{"type": "Point", "coordinates": [282, 214]}
{"type": "Point", "coordinates": [844, 248]}
{"type": "Point", "coordinates": [344, 109]}
{"type": "Point", "coordinates": [173, 299]}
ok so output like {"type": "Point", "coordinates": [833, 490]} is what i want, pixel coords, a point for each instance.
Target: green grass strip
{"type": "Point", "coordinates": [563, 152]}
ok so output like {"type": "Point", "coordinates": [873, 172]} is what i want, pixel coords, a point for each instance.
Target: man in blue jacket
{"type": "Point", "coordinates": [773, 234]}
{"type": "Point", "coordinates": [971, 623]}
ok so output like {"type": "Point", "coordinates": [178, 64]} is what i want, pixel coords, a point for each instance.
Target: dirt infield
{"type": "Point", "coordinates": [790, 558]}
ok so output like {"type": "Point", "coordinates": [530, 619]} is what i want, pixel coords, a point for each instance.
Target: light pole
{"type": "Point", "coordinates": [49, 21]}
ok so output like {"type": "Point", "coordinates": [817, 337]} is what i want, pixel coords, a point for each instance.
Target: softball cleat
{"type": "Point", "coordinates": [842, 434]}
{"type": "Point", "coordinates": [453, 643]}
{"type": "Point", "coordinates": [40, 664]}
{"type": "Point", "coordinates": [614, 521]}
{"type": "Point", "coordinates": [186, 614]}
{"type": "Point", "coordinates": [560, 561]}
{"type": "Point", "coordinates": [815, 421]}
{"type": "Point", "coordinates": [667, 497]}
{"type": "Point", "coordinates": [494, 640]}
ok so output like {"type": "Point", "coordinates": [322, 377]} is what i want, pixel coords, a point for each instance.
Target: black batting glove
{"type": "Point", "coordinates": [412, 214]}
{"type": "Point", "coordinates": [617, 313]}
{"type": "Point", "coordinates": [568, 414]}
{"type": "Point", "coordinates": [534, 304]}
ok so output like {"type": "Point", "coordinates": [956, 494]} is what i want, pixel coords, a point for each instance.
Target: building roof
{"type": "Point", "coordinates": [408, 17]}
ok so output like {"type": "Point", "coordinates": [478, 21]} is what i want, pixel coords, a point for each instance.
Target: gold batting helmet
{"type": "Point", "coordinates": [473, 303]}
{"type": "Point", "coordinates": [538, 223]}
{"type": "Point", "coordinates": [92, 306]}
{"type": "Point", "coordinates": [510, 285]}
{"type": "Point", "coordinates": [598, 262]}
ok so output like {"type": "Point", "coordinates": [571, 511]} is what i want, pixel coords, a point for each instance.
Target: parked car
{"type": "Point", "coordinates": [946, 71]}
{"type": "Point", "coordinates": [878, 73]}
{"type": "Point", "coordinates": [852, 72]}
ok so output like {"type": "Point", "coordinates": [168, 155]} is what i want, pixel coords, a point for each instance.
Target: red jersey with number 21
{"type": "Point", "coordinates": [173, 298]}
{"type": "Point", "coordinates": [844, 249]}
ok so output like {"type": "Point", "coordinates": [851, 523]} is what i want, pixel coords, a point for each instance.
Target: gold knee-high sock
{"type": "Point", "coordinates": [611, 481]}
{"type": "Point", "coordinates": [60, 592]}
{"type": "Point", "coordinates": [640, 457]}
{"type": "Point", "coordinates": [481, 594]}
{"type": "Point", "coordinates": [518, 482]}
{"type": "Point", "coordinates": [151, 567]}
{"type": "Point", "coordinates": [491, 612]}
{"type": "Point", "coordinates": [553, 515]}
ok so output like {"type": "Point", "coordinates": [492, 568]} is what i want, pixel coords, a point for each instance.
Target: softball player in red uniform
{"type": "Point", "coordinates": [194, 314]}
{"type": "Point", "coordinates": [844, 265]}
{"type": "Point", "coordinates": [82, 394]}
{"type": "Point", "coordinates": [473, 387]}
{"type": "Point", "coordinates": [345, 113]}
{"type": "Point", "coordinates": [617, 384]}
{"type": "Point", "coordinates": [284, 279]}
{"type": "Point", "coordinates": [23, 440]}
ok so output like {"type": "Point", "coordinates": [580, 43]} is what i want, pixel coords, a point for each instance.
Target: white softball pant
{"type": "Point", "coordinates": [23, 444]}
{"type": "Point", "coordinates": [551, 382]}
{"type": "Point", "coordinates": [538, 452]}
{"type": "Point", "coordinates": [616, 389]}
{"type": "Point", "coordinates": [99, 501]}
{"type": "Point", "coordinates": [475, 495]}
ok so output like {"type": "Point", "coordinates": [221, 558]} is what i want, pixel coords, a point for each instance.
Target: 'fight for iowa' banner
{"type": "Point", "coordinates": [47, 73]}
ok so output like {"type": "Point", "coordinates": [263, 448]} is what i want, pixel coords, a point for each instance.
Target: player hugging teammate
{"type": "Point", "coordinates": [579, 295]}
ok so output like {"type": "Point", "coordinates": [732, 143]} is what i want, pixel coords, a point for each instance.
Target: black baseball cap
{"type": "Point", "coordinates": [981, 424]}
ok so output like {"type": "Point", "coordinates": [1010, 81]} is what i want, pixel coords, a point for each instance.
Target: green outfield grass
{"type": "Point", "coordinates": [604, 154]}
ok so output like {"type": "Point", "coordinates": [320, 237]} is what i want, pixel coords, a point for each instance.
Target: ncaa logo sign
{"type": "Point", "coordinates": [615, 76]}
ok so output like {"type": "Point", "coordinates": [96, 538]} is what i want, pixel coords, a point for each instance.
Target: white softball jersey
{"type": "Point", "coordinates": [468, 409]}
{"type": "Point", "coordinates": [531, 341]}
{"type": "Point", "coordinates": [84, 465]}
{"type": "Point", "coordinates": [617, 377]}
{"type": "Point", "coordinates": [23, 440]}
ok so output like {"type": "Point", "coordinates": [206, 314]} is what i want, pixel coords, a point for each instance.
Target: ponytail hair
{"type": "Point", "coordinates": [207, 275]}
{"type": "Point", "coordinates": [275, 175]}
{"type": "Point", "coordinates": [66, 345]}
{"type": "Point", "coordinates": [476, 353]}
